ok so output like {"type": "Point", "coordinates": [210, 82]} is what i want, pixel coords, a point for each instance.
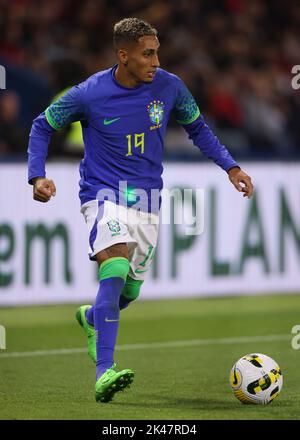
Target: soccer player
{"type": "Point", "coordinates": [124, 112]}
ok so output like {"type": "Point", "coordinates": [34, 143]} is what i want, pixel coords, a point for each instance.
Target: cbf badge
{"type": "Point", "coordinates": [114, 227]}
{"type": "Point", "coordinates": [156, 113]}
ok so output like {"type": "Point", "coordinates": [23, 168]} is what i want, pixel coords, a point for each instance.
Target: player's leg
{"type": "Point", "coordinates": [130, 292]}
{"type": "Point", "coordinates": [113, 270]}
{"type": "Point", "coordinates": [105, 229]}
{"type": "Point", "coordinates": [145, 230]}
{"type": "Point", "coordinates": [86, 321]}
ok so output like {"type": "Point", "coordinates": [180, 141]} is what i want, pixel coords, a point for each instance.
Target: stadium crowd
{"type": "Point", "coordinates": [235, 56]}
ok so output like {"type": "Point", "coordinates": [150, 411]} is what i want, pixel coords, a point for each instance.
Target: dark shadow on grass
{"type": "Point", "coordinates": [152, 401]}
{"type": "Point", "coordinates": [194, 403]}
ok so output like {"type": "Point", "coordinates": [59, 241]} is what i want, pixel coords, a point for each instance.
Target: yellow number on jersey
{"type": "Point", "coordinates": [139, 141]}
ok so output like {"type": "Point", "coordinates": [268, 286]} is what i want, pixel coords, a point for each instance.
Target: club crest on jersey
{"type": "Point", "coordinates": [156, 113]}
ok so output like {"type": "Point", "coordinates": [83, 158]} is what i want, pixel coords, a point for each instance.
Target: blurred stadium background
{"type": "Point", "coordinates": [236, 56]}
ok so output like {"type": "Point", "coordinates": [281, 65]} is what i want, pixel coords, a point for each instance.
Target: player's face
{"type": "Point", "coordinates": [142, 59]}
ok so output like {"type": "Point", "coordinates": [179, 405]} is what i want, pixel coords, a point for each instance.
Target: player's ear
{"type": "Point", "coordinates": [123, 56]}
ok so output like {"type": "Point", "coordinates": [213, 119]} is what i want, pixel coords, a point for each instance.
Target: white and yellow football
{"type": "Point", "coordinates": [256, 378]}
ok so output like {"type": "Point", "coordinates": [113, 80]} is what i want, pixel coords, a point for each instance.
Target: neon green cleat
{"type": "Point", "coordinates": [111, 382]}
{"type": "Point", "coordinates": [89, 330]}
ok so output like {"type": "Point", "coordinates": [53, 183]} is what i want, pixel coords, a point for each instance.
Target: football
{"type": "Point", "coordinates": [256, 378]}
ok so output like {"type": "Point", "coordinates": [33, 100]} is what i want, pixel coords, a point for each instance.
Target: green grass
{"type": "Point", "coordinates": [189, 382]}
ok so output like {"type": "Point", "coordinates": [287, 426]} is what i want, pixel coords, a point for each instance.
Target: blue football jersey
{"type": "Point", "coordinates": [123, 132]}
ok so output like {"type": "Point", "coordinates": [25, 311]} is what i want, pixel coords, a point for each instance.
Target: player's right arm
{"type": "Point", "coordinates": [69, 108]}
{"type": "Point", "coordinates": [43, 189]}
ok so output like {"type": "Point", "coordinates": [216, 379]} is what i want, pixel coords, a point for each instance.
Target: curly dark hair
{"type": "Point", "coordinates": [130, 30]}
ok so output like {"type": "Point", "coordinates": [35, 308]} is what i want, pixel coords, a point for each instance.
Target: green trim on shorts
{"type": "Point", "coordinates": [115, 267]}
{"type": "Point", "coordinates": [132, 288]}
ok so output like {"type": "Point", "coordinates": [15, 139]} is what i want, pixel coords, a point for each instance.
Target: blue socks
{"type": "Point", "coordinates": [116, 291]}
{"type": "Point", "coordinates": [112, 273]}
{"type": "Point", "coordinates": [106, 319]}
{"type": "Point", "coordinates": [129, 293]}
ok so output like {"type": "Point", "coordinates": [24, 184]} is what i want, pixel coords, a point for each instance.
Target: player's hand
{"type": "Point", "coordinates": [43, 189]}
{"type": "Point", "coordinates": [238, 176]}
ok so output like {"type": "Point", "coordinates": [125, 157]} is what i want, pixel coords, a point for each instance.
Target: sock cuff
{"type": "Point", "coordinates": [115, 267]}
{"type": "Point", "coordinates": [131, 282]}
{"type": "Point", "coordinates": [132, 288]}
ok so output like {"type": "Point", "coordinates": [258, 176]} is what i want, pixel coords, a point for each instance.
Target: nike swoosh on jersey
{"type": "Point", "coordinates": [110, 121]}
{"type": "Point", "coordinates": [111, 320]}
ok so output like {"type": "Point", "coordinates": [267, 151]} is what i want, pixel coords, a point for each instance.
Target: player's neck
{"type": "Point", "coordinates": [125, 79]}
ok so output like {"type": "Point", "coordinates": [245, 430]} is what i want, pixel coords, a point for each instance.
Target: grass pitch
{"type": "Point", "coordinates": [181, 352]}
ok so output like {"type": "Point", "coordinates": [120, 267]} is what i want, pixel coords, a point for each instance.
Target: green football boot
{"type": "Point", "coordinates": [111, 382]}
{"type": "Point", "coordinates": [89, 330]}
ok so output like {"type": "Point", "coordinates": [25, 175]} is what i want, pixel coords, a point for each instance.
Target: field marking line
{"type": "Point", "coordinates": [153, 345]}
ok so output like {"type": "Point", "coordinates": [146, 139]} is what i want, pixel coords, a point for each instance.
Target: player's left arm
{"type": "Point", "coordinates": [188, 115]}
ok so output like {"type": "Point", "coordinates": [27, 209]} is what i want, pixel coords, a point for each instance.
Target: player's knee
{"type": "Point", "coordinates": [116, 250]}
{"type": "Point", "coordinates": [131, 289]}
{"type": "Point", "coordinates": [115, 267]}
